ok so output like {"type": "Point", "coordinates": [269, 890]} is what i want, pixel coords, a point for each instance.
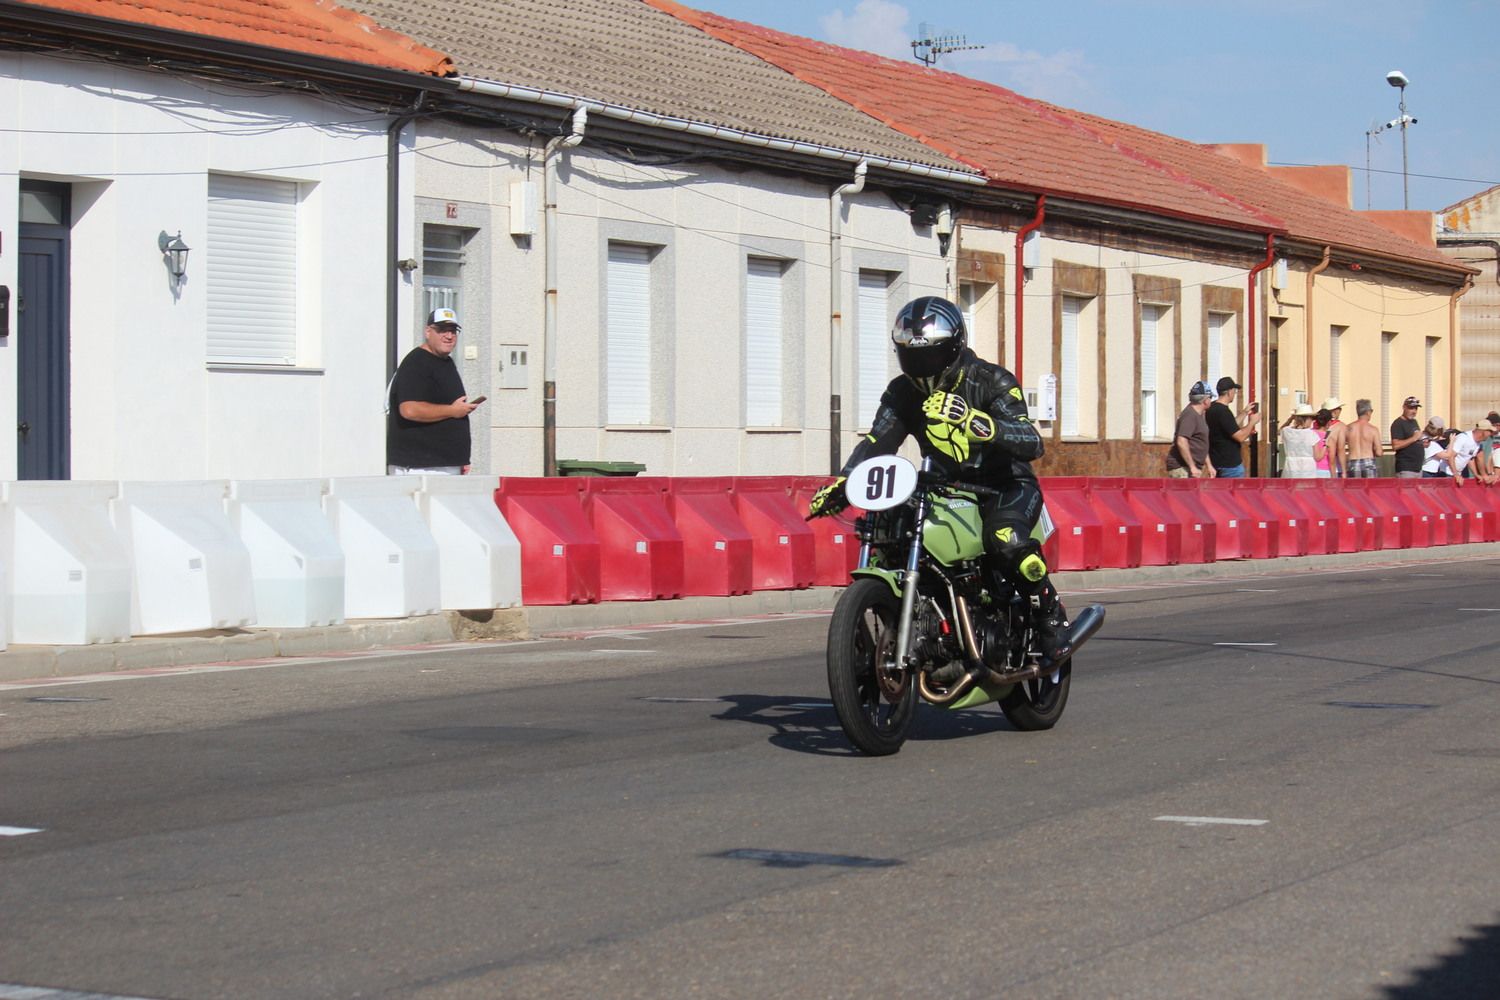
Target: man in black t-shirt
{"type": "Point", "coordinates": [1406, 440]}
{"type": "Point", "coordinates": [1225, 432]}
{"type": "Point", "coordinates": [428, 429]}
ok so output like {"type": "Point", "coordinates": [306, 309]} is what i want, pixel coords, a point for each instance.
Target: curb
{"type": "Point", "coordinates": [22, 663]}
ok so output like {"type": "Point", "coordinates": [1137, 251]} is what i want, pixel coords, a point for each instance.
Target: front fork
{"type": "Point", "coordinates": [909, 581]}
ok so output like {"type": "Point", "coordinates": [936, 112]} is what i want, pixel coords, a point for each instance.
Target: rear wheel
{"type": "Point", "coordinates": [1038, 703]}
{"type": "Point", "coordinates": [875, 707]}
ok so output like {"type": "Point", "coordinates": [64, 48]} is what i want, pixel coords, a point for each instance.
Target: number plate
{"type": "Point", "coordinates": [881, 483]}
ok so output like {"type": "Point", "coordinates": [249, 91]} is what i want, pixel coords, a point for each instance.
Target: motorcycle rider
{"type": "Point", "coordinates": [969, 416]}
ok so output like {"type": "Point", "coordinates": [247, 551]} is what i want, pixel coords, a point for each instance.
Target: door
{"type": "Point", "coordinates": [42, 405]}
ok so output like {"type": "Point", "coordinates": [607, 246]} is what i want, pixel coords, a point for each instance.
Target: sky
{"type": "Point", "coordinates": [1305, 77]}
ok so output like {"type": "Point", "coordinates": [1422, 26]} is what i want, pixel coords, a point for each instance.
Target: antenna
{"type": "Point", "coordinates": [929, 45]}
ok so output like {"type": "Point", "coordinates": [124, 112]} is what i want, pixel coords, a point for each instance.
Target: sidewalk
{"type": "Point", "coordinates": [20, 662]}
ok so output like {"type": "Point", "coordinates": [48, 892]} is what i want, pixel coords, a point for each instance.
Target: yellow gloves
{"type": "Point", "coordinates": [828, 500]}
{"type": "Point", "coordinates": [954, 427]}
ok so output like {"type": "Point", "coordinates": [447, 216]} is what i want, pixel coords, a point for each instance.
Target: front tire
{"type": "Point", "coordinates": [1038, 703]}
{"type": "Point", "coordinates": [874, 708]}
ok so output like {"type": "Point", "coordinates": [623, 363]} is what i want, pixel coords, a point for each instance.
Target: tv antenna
{"type": "Point", "coordinates": [929, 45]}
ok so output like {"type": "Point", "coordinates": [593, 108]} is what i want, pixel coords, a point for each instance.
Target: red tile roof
{"type": "Point", "coordinates": [1029, 145]}
{"type": "Point", "coordinates": [311, 27]}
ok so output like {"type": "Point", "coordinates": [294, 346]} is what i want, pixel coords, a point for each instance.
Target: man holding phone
{"type": "Point", "coordinates": [427, 432]}
{"type": "Point", "coordinates": [1226, 433]}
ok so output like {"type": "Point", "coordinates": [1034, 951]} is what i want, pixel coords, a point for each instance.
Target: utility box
{"type": "Point", "coordinates": [1041, 402]}
{"type": "Point", "coordinates": [523, 208]}
{"type": "Point", "coordinates": [514, 366]}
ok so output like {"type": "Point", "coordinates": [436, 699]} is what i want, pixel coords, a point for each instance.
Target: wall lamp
{"type": "Point", "coordinates": [174, 254]}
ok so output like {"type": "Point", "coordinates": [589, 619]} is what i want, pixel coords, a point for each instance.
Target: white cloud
{"type": "Point", "coordinates": [877, 26]}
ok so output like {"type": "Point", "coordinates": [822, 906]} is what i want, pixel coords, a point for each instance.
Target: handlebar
{"type": "Point", "coordinates": [938, 482]}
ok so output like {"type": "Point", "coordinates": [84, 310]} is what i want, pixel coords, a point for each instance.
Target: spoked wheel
{"type": "Point", "coordinates": [1038, 703]}
{"type": "Point", "coordinates": [874, 707]}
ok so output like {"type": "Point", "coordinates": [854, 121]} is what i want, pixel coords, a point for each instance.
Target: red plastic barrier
{"type": "Point", "coordinates": [835, 546]}
{"type": "Point", "coordinates": [1402, 529]}
{"type": "Point", "coordinates": [559, 550]}
{"type": "Point", "coordinates": [1453, 516]}
{"type": "Point", "coordinates": [1368, 518]}
{"type": "Point", "coordinates": [1483, 525]}
{"type": "Point", "coordinates": [1121, 535]}
{"type": "Point", "coordinates": [1078, 539]}
{"type": "Point", "coordinates": [1161, 528]}
{"type": "Point", "coordinates": [1287, 517]}
{"type": "Point", "coordinates": [640, 549]}
{"type": "Point", "coordinates": [782, 555]}
{"type": "Point", "coordinates": [1323, 516]}
{"type": "Point", "coordinates": [1263, 523]}
{"type": "Point", "coordinates": [1200, 530]}
{"type": "Point", "coordinates": [1230, 519]}
{"type": "Point", "coordinates": [716, 546]}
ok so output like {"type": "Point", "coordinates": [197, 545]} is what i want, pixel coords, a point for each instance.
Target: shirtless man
{"type": "Point", "coordinates": [1363, 439]}
{"type": "Point", "coordinates": [1338, 437]}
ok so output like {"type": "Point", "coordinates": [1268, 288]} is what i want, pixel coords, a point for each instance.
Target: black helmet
{"type": "Point", "coordinates": [929, 336]}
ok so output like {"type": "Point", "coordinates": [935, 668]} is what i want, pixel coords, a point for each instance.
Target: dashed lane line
{"type": "Point", "coordinates": [15, 991]}
{"type": "Point", "coordinates": [1211, 821]}
{"type": "Point", "coordinates": [18, 831]}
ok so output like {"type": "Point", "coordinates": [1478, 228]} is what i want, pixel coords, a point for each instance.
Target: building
{"type": "Point", "coordinates": [1469, 232]}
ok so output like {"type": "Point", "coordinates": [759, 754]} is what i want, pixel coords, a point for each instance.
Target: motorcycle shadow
{"type": "Point", "coordinates": [809, 725]}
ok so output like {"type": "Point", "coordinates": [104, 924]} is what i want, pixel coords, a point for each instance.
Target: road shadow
{"type": "Point", "coordinates": [809, 725]}
{"type": "Point", "coordinates": [1471, 973]}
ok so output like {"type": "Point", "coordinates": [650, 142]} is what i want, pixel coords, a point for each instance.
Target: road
{"type": "Point", "coordinates": [674, 813]}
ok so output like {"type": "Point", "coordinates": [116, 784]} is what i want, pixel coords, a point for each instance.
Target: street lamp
{"type": "Point", "coordinates": [1398, 79]}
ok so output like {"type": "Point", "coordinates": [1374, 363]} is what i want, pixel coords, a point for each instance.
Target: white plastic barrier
{"type": "Point", "coordinates": [295, 561]}
{"type": "Point", "coordinates": [4, 608]}
{"type": "Point", "coordinates": [480, 558]}
{"type": "Point", "coordinates": [69, 575]}
{"type": "Point", "coordinates": [192, 571]}
{"type": "Point", "coordinates": [390, 558]}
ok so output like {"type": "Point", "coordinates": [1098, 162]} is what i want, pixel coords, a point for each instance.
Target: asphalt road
{"type": "Point", "coordinates": [675, 813]}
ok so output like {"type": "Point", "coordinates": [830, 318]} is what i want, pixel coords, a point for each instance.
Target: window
{"type": "Point", "coordinates": [1151, 323]}
{"type": "Point", "coordinates": [628, 335]}
{"type": "Point", "coordinates": [1072, 309]}
{"type": "Point", "coordinates": [442, 262]}
{"type": "Point", "coordinates": [1223, 348]}
{"type": "Point", "coordinates": [252, 270]}
{"type": "Point", "coordinates": [873, 348]}
{"type": "Point", "coordinates": [1386, 342]}
{"type": "Point", "coordinates": [1335, 358]}
{"type": "Point", "coordinates": [765, 337]}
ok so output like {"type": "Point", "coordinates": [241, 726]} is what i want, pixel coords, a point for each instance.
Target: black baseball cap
{"type": "Point", "coordinates": [1226, 383]}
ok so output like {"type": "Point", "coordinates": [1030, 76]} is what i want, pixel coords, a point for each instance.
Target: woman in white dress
{"type": "Point", "coordinates": [1298, 441]}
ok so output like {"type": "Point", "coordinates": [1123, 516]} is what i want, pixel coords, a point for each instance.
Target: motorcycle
{"type": "Point", "coordinates": [920, 601]}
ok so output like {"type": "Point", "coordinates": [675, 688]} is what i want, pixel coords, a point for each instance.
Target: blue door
{"type": "Point", "coordinates": [42, 419]}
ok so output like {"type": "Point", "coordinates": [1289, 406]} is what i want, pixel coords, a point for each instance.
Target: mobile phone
{"type": "Point", "coordinates": [1255, 407]}
{"type": "Point", "coordinates": [477, 400]}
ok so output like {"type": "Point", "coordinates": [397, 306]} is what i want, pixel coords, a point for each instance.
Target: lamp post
{"type": "Point", "coordinates": [1398, 79]}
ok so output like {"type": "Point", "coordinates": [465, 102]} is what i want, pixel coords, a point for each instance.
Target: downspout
{"type": "Point", "coordinates": [1453, 386]}
{"type": "Point", "coordinates": [1307, 316]}
{"type": "Point", "coordinates": [393, 239]}
{"type": "Point", "coordinates": [549, 324]}
{"type": "Point", "coordinates": [1250, 335]}
{"type": "Point", "coordinates": [1021, 234]}
{"type": "Point", "coordinates": [836, 315]}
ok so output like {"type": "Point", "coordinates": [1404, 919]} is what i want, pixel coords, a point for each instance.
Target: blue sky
{"type": "Point", "coordinates": [1305, 77]}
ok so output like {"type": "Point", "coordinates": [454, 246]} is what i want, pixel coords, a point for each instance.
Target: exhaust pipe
{"type": "Point", "coordinates": [1085, 624]}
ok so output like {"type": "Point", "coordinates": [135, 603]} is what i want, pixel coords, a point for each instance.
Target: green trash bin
{"type": "Point", "coordinates": [579, 467]}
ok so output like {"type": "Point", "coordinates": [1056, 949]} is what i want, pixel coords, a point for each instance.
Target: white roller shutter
{"type": "Point", "coordinates": [1213, 365]}
{"type": "Point", "coordinates": [763, 343]}
{"type": "Point", "coordinates": [874, 345]}
{"type": "Point", "coordinates": [1150, 330]}
{"type": "Point", "coordinates": [252, 270]}
{"type": "Point", "coordinates": [628, 335]}
{"type": "Point", "coordinates": [1067, 389]}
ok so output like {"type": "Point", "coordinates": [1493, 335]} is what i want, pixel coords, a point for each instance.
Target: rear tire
{"type": "Point", "coordinates": [1037, 704]}
{"type": "Point", "coordinates": [874, 708]}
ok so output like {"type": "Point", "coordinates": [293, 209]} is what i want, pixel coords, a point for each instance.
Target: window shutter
{"type": "Point", "coordinates": [763, 343]}
{"type": "Point", "coordinates": [252, 270]}
{"type": "Point", "coordinates": [1386, 340]}
{"type": "Point", "coordinates": [1335, 358]}
{"type": "Point", "coordinates": [874, 345]}
{"type": "Point", "coordinates": [1213, 365]}
{"type": "Point", "coordinates": [1149, 332]}
{"type": "Point", "coordinates": [628, 336]}
{"type": "Point", "coordinates": [1068, 387]}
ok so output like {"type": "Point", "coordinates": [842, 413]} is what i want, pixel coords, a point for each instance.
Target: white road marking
{"type": "Point", "coordinates": [1479, 609]}
{"type": "Point", "coordinates": [17, 831]}
{"type": "Point", "coordinates": [1211, 820]}
{"type": "Point", "coordinates": [1244, 644]}
{"type": "Point", "coordinates": [13, 991]}
{"type": "Point", "coordinates": [635, 652]}
{"type": "Point", "coordinates": [1247, 590]}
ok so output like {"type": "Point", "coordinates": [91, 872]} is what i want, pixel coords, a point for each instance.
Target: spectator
{"type": "Point", "coordinates": [1226, 433]}
{"type": "Point", "coordinates": [1436, 455]}
{"type": "Point", "coordinates": [428, 429]}
{"type": "Point", "coordinates": [1320, 423]}
{"type": "Point", "coordinates": [1466, 446]}
{"type": "Point", "coordinates": [1406, 440]}
{"type": "Point", "coordinates": [1363, 440]}
{"type": "Point", "coordinates": [1299, 445]}
{"type": "Point", "coordinates": [1336, 437]}
{"type": "Point", "coordinates": [1486, 460]}
{"type": "Point", "coordinates": [1188, 456]}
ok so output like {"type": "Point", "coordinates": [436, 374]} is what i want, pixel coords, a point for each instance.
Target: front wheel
{"type": "Point", "coordinates": [875, 708]}
{"type": "Point", "coordinates": [1038, 703]}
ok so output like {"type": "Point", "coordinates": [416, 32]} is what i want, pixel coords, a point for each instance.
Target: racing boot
{"type": "Point", "coordinates": [1050, 620]}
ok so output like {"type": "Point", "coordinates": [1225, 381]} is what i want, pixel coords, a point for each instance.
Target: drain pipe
{"type": "Point", "coordinates": [1250, 342]}
{"type": "Point", "coordinates": [1021, 234]}
{"type": "Point", "coordinates": [1307, 316]}
{"type": "Point", "coordinates": [549, 327]}
{"type": "Point", "coordinates": [393, 240]}
{"type": "Point", "coordinates": [836, 314]}
{"type": "Point", "coordinates": [1453, 386]}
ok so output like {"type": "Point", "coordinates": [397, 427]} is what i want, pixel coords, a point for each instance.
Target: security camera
{"type": "Point", "coordinates": [1396, 78]}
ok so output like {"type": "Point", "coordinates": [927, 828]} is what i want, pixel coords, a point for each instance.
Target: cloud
{"type": "Point", "coordinates": [877, 26]}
